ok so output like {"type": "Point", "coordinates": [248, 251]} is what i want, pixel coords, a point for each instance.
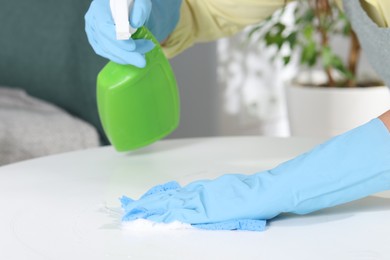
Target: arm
{"type": "Point", "coordinates": [385, 118]}
{"type": "Point", "coordinates": [207, 20]}
{"type": "Point", "coordinates": [199, 20]}
{"type": "Point", "coordinates": [377, 10]}
{"type": "Point", "coordinates": [345, 168]}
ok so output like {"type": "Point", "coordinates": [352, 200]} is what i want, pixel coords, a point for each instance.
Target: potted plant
{"type": "Point", "coordinates": [327, 97]}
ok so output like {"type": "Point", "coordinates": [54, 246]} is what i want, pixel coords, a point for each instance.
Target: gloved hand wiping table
{"type": "Point", "coordinates": [345, 168]}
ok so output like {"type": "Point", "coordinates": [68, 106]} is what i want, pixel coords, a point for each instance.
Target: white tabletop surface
{"type": "Point", "coordinates": [60, 207]}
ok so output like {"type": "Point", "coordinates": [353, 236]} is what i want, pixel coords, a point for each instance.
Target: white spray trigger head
{"type": "Point", "coordinates": [120, 12]}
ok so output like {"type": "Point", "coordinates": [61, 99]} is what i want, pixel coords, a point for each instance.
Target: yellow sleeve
{"type": "Point", "coordinates": [377, 10]}
{"type": "Point", "coordinates": [207, 20]}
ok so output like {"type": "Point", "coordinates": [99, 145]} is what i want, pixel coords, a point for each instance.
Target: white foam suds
{"type": "Point", "coordinates": [147, 225]}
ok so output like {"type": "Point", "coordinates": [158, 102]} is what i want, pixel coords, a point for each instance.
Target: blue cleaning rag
{"type": "Point", "coordinates": [239, 224]}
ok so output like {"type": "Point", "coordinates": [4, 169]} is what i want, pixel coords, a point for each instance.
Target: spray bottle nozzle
{"type": "Point", "coordinates": [120, 12]}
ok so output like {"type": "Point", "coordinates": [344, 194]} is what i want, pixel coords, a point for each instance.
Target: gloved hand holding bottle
{"type": "Point", "coordinates": [159, 16]}
{"type": "Point", "coordinates": [348, 167]}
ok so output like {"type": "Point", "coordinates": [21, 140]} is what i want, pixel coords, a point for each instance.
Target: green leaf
{"type": "Point", "coordinates": [254, 30]}
{"type": "Point", "coordinates": [332, 60]}
{"type": "Point", "coordinates": [327, 57]}
{"type": "Point", "coordinates": [309, 54]}
{"type": "Point", "coordinates": [279, 28]}
{"type": "Point", "coordinates": [338, 64]}
{"type": "Point", "coordinates": [308, 31]}
{"type": "Point", "coordinates": [269, 39]}
{"type": "Point", "coordinates": [308, 16]}
{"type": "Point", "coordinates": [292, 39]}
{"type": "Point", "coordinates": [275, 36]}
{"type": "Point", "coordinates": [286, 60]}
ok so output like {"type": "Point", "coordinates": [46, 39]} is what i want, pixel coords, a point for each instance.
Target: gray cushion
{"type": "Point", "coordinates": [31, 128]}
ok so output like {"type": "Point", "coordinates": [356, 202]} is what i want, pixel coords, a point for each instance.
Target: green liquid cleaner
{"type": "Point", "coordinates": [138, 106]}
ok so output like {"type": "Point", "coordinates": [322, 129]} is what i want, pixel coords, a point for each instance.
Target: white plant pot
{"type": "Point", "coordinates": [326, 112]}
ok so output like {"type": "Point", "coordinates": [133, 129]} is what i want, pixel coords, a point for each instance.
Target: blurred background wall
{"type": "Point", "coordinates": [230, 87]}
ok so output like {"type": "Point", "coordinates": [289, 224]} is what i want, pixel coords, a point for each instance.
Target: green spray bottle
{"type": "Point", "coordinates": [137, 106]}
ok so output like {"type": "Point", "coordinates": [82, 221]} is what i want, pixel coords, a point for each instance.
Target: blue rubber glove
{"type": "Point", "coordinates": [100, 29]}
{"type": "Point", "coordinates": [239, 224]}
{"type": "Point", "coordinates": [348, 167]}
{"type": "Point", "coordinates": [163, 18]}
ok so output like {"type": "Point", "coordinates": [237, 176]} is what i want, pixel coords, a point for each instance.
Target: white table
{"type": "Point", "coordinates": [56, 207]}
